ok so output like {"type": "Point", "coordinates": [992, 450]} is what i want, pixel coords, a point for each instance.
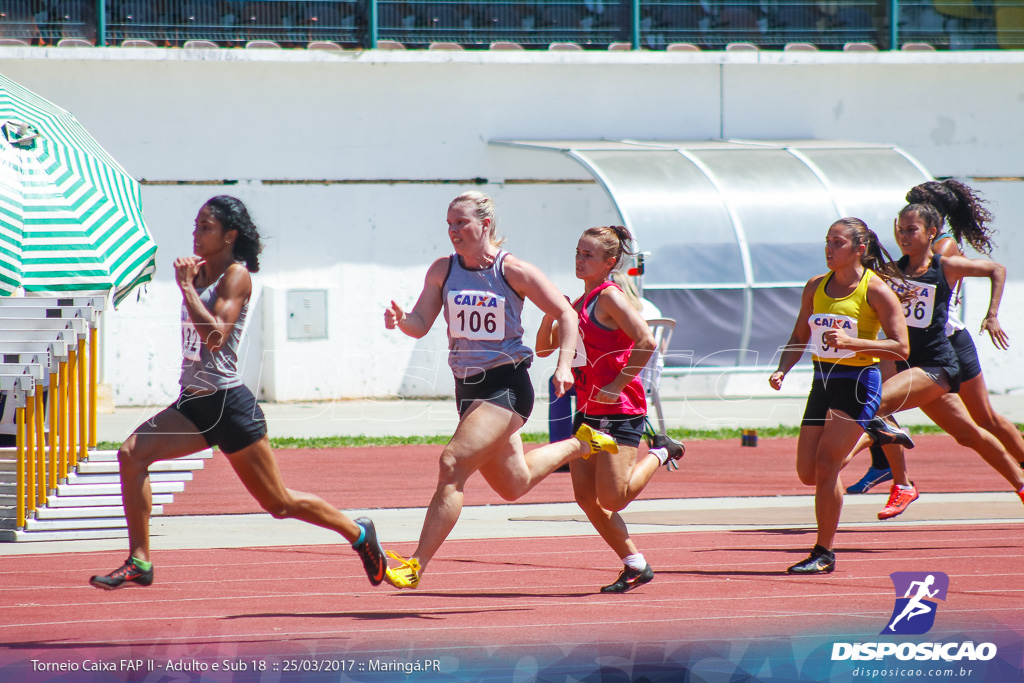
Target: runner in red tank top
{"type": "Point", "coordinates": [616, 343]}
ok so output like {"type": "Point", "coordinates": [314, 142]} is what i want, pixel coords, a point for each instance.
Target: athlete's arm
{"type": "Point", "coordinates": [613, 307]}
{"type": "Point", "coordinates": [417, 322]}
{"type": "Point", "coordinates": [886, 305]}
{"type": "Point", "coordinates": [547, 337]}
{"type": "Point", "coordinates": [213, 325]}
{"type": "Point", "coordinates": [957, 267]}
{"type": "Point", "coordinates": [533, 285]}
{"type": "Point", "coordinates": [797, 343]}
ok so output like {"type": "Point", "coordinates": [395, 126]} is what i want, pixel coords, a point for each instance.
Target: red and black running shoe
{"type": "Point", "coordinates": [630, 579]}
{"type": "Point", "coordinates": [129, 571]}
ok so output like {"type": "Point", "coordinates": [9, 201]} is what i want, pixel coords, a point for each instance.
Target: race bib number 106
{"type": "Point", "coordinates": [476, 315]}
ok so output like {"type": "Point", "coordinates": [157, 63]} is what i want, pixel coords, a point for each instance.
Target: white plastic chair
{"type": "Point", "coordinates": [662, 329]}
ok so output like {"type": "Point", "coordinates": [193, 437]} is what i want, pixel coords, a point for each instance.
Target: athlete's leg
{"type": "Point", "coordinates": [950, 414]}
{"type": "Point", "coordinates": [257, 468]}
{"type": "Point", "coordinates": [838, 437]}
{"type": "Point", "coordinates": [608, 524]}
{"type": "Point", "coordinates": [167, 435]}
{"type": "Point", "coordinates": [974, 395]}
{"type": "Point", "coordinates": [895, 456]}
{"type": "Point", "coordinates": [909, 389]}
{"type": "Point", "coordinates": [484, 432]}
{"type": "Point", "coordinates": [806, 453]}
{"type": "Point", "coordinates": [621, 477]}
{"type": "Point", "coordinates": [513, 473]}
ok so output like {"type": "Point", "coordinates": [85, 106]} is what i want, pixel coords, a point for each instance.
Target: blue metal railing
{"type": "Point", "coordinates": [644, 24]}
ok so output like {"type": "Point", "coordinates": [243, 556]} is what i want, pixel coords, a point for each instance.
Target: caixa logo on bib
{"type": "Point", "coordinates": [914, 612]}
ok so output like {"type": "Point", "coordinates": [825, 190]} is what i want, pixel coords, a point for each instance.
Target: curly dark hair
{"type": "Point", "coordinates": [232, 215]}
{"type": "Point", "coordinates": [960, 206]}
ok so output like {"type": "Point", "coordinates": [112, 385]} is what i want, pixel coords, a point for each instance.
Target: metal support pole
{"type": "Point", "coordinates": [30, 454]}
{"type": "Point", "coordinates": [52, 403]}
{"type": "Point", "coordinates": [72, 408]}
{"type": "Point", "coordinates": [40, 448]}
{"type": "Point", "coordinates": [20, 486]}
{"type": "Point", "coordinates": [93, 372]}
{"type": "Point", "coordinates": [635, 27]}
{"type": "Point", "coordinates": [101, 23]}
{"type": "Point", "coordinates": [62, 420]}
{"type": "Point", "coordinates": [83, 399]}
{"type": "Point", "coordinates": [894, 24]}
{"type": "Point", "coordinates": [371, 25]}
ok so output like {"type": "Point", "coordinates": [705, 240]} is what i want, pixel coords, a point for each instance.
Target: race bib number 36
{"type": "Point", "coordinates": [820, 324]}
{"type": "Point", "coordinates": [918, 311]}
{"type": "Point", "coordinates": [476, 315]}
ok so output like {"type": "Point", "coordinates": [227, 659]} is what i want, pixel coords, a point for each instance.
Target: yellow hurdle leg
{"type": "Point", "coordinates": [93, 368]}
{"type": "Point", "coordinates": [83, 396]}
{"type": "Point", "coordinates": [72, 409]}
{"type": "Point", "coordinates": [30, 459]}
{"type": "Point", "coordinates": [40, 449]}
{"type": "Point", "coordinates": [62, 421]}
{"type": "Point", "coordinates": [51, 397]}
{"type": "Point", "coordinates": [20, 487]}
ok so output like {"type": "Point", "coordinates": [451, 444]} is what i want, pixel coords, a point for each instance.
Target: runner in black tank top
{"type": "Point", "coordinates": [961, 211]}
{"type": "Point", "coordinates": [930, 376]}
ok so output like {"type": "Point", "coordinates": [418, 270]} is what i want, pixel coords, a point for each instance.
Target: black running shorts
{"type": "Point", "coordinates": [229, 419]}
{"type": "Point", "coordinates": [508, 386]}
{"type": "Point", "coordinates": [966, 354]}
{"type": "Point", "coordinates": [625, 429]}
{"type": "Point", "coordinates": [855, 391]}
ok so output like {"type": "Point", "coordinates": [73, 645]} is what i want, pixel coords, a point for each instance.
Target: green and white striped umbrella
{"type": "Point", "coordinates": [70, 215]}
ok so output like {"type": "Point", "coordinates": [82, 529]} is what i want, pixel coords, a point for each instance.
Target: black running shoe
{"type": "Point", "coordinates": [676, 450]}
{"type": "Point", "coordinates": [821, 561]}
{"type": "Point", "coordinates": [371, 553]}
{"type": "Point", "coordinates": [129, 571]}
{"type": "Point", "coordinates": [630, 579]}
{"type": "Point", "coordinates": [885, 434]}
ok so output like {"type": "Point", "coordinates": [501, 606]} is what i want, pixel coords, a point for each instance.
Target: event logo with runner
{"type": "Point", "coordinates": [916, 593]}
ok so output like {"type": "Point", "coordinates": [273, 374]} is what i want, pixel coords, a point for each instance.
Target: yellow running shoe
{"type": "Point", "coordinates": [598, 441]}
{"type": "Point", "coordinates": [405, 576]}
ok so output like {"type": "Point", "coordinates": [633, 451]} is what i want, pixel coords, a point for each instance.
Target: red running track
{"type": "Point", "coordinates": [404, 476]}
{"type": "Point", "coordinates": [510, 601]}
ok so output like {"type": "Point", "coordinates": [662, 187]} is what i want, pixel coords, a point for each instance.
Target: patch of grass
{"type": "Point", "coordinates": [778, 432]}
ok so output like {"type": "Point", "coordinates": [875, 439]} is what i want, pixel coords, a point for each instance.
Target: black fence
{"type": "Point", "coordinates": [536, 24]}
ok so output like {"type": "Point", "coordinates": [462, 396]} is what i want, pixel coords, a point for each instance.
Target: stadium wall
{"type": "Point", "coordinates": [347, 162]}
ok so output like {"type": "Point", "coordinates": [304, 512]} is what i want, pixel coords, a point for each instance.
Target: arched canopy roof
{"type": "Point", "coordinates": [733, 229]}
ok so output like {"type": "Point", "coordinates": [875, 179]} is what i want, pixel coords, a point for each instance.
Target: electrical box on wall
{"type": "Point", "coordinates": [307, 313]}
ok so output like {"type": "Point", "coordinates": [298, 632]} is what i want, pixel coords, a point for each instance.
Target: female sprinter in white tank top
{"type": "Point", "coordinates": [481, 290]}
{"type": "Point", "coordinates": [215, 408]}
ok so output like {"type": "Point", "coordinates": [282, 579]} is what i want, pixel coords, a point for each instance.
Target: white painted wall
{"type": "Point", "coordinates": [262, 116]}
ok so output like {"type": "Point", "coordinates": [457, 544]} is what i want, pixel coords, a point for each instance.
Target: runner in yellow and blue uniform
{"type": "Point", "coordinates": [841, 313]}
